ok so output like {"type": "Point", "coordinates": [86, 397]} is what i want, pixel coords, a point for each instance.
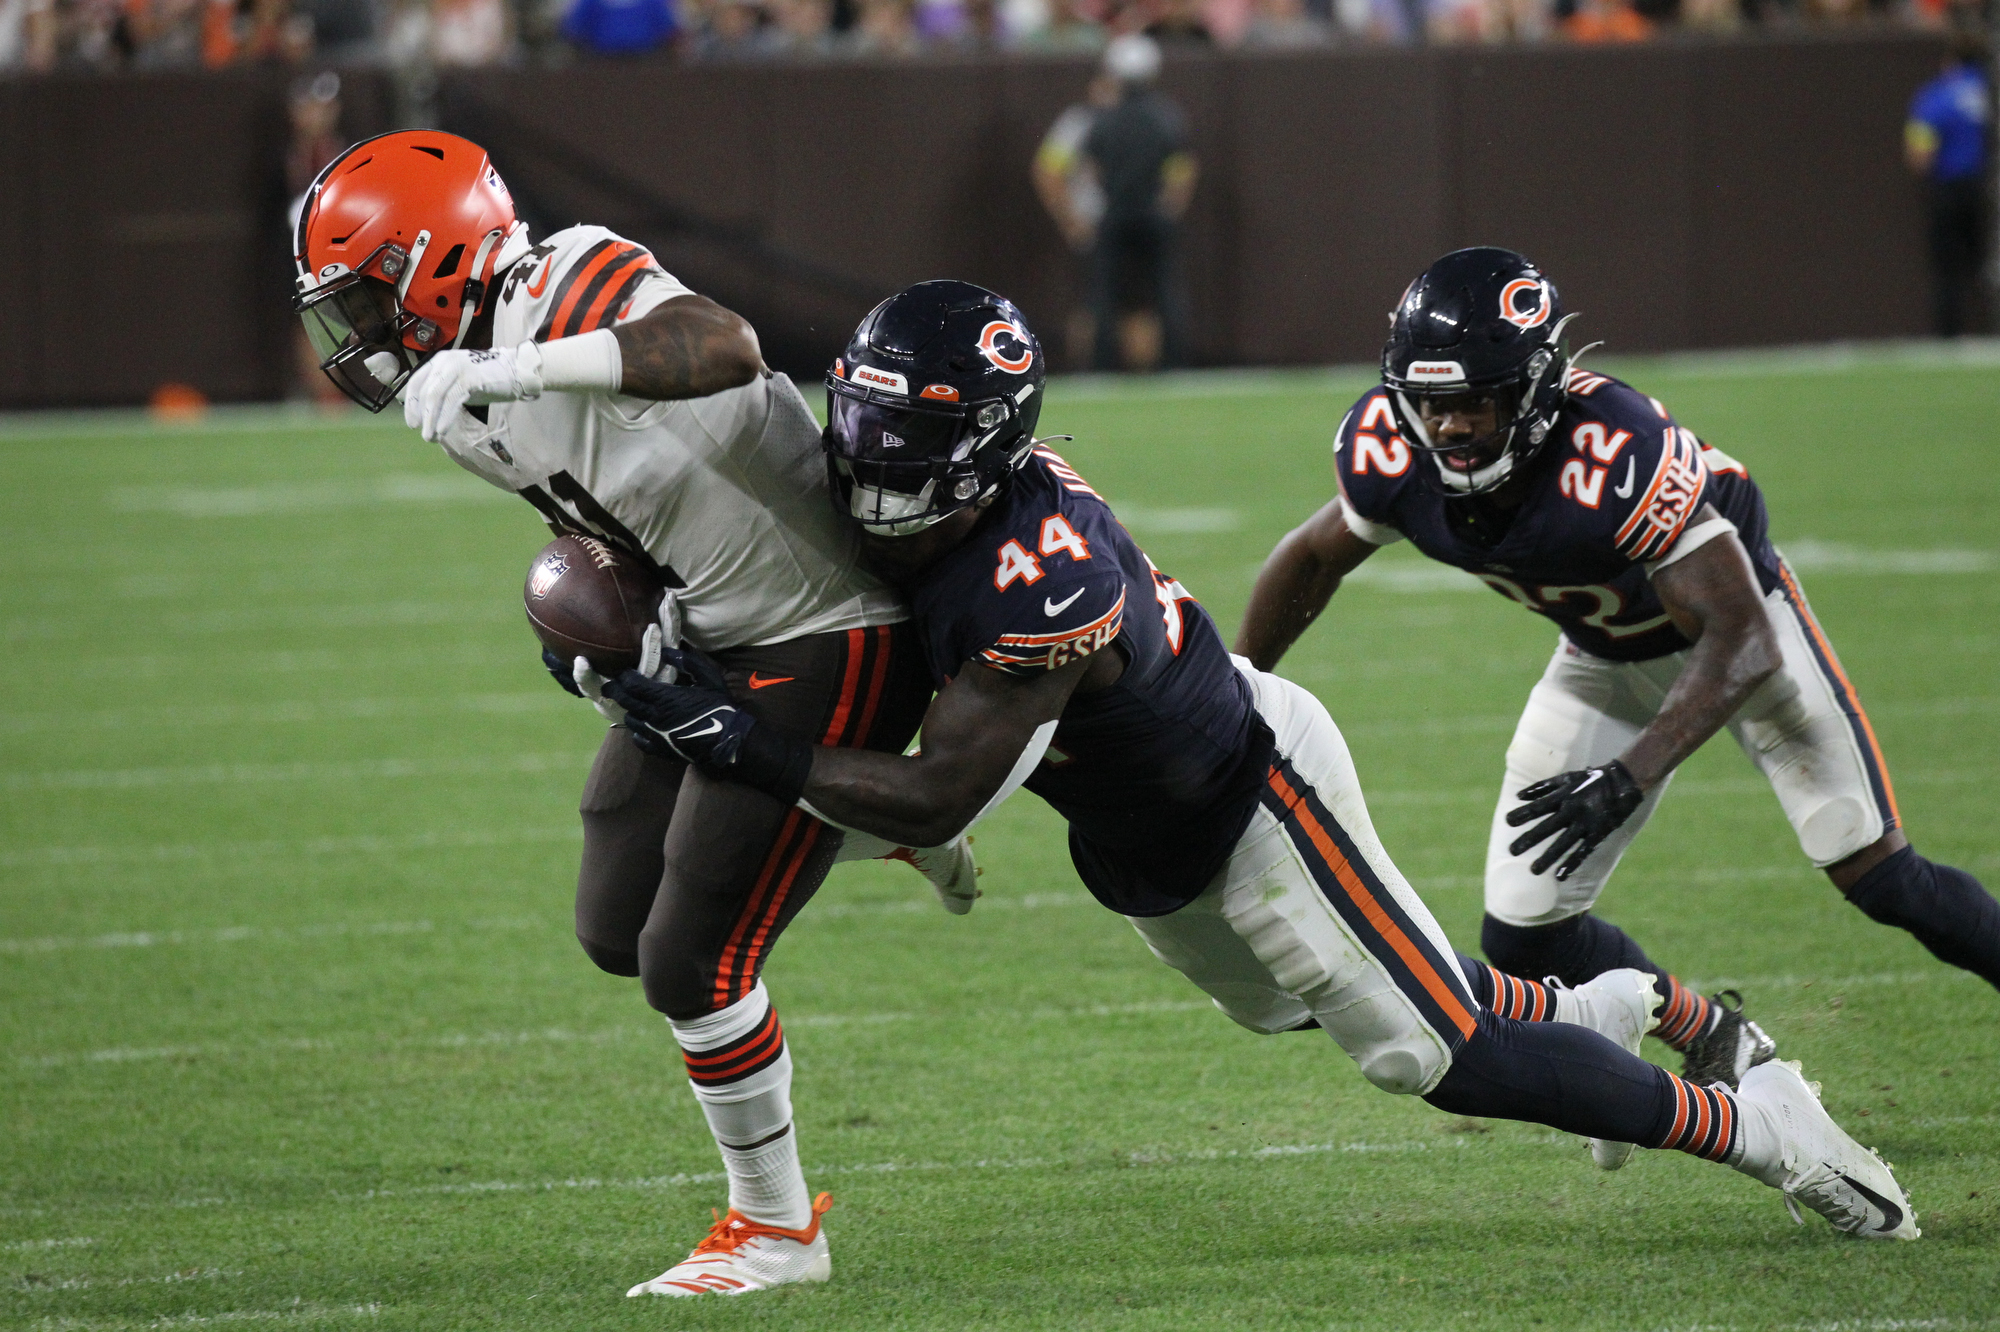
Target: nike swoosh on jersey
{"type": "Point", "coordinates": [1052, 607]}
{"type": "Point", "coordinates": [766, 681]}
{"type": "Point", "coordinates": [541, 284]}
{"type": "Point", "coordinates": [1625, 491]}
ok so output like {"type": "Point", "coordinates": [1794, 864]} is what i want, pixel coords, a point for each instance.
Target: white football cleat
{"type": "Point", "coordinates": [740, 1256]}
{"type": "Point", "coordinates": [951, 869]}
{"type": "Point", "coordinates": [1618, 1006]}
{"type": "Point", "coordinates": [1819, 1164]}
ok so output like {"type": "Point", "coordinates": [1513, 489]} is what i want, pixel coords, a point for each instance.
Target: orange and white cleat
{"type": "Point", "coordinates": [739, 1256]}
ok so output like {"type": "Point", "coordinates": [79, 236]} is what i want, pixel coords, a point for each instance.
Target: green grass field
{"type": "Point", "coordinates": [293, 1030]}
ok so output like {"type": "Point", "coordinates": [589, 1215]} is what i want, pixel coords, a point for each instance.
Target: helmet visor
{"type": "Point", "coordinates": [902, 468]}
{"type": "Point", "coordinates": [356, 328]}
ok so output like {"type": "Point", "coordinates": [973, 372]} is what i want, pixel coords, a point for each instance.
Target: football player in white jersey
{"type": "Point", "coordinates": [579, 375]}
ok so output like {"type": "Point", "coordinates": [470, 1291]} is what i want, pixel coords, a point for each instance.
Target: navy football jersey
{"type": "Point", "coordinates": [1158, 774]}
{"type": "Point", "coordinates": [1612, 492]}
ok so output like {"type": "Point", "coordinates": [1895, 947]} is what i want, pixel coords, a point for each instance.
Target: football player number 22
{"type": "Point", "coordinates": [1604, 602]}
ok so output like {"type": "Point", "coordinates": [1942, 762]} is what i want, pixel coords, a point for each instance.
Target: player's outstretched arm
{"type": "Point", "coordinates": [1713, 599]}
{"type": "Point", "coordinates": [983, 724]}
{"type": "Point", "coordinates": [1297, 581]}
{"type": "Point", "coordinates": [689, 347]}
{"type": "Point", "coordinates": [975, 732]}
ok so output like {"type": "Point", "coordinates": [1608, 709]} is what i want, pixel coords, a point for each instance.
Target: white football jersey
{"type": "Point", "coordinates": [727, 494]}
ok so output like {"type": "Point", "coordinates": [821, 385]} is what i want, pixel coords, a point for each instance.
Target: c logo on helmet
{"type": "Point", "coordinates": [1007, 346]}
{"type": "Point", "coordinates": [1512, 312]}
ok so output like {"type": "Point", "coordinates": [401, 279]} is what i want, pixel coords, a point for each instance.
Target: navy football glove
{"type": "Point", "coordinates": [564, 673]}
{"type": "Point", "coordinates": [1585, 807]}
{"type": "Point", "coordinates": [699, 723]}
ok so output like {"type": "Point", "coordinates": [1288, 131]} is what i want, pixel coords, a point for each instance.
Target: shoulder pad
{"type": "Point", "coordinates": [1371, 460]}
{"type": "Point", "coordinates": [580, 279]}
{"type": "Point", "coordinates": [1639, 476]}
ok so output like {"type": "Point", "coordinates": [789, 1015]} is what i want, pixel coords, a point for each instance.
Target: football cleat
{"type": "Point", "coordinates": [952, 871]}
{"type": "Point", "coordinates": [1618, 1006]}
{"type": "Point", "coordinates": [739, 1256]}
{"type": "Point", "coordinates": [1731, 1048]}
{"type": "Point", "coordinates": [1819, 1164]}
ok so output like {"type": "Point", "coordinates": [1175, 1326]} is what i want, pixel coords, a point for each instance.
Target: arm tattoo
{"type": "Point", "coordinates": [688, 348]}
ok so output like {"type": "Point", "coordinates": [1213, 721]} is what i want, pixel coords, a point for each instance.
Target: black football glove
{"type": "Point", "coordinates": [699, 723]}
{"type": "Point", "coordinates": [1584, 806]}
{"type": "Point", "coordinates": [563, 671]}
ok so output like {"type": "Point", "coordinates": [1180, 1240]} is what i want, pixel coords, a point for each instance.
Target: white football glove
{"type": "Point", "coordinates": [592, 685]}
{"type": "Point", "coordinates": [451, 381]}
{"type": "Point", "coordinates": [656, 636]}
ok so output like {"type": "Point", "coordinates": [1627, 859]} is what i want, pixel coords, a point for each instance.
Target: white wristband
{"type": "Point", "coordinates": [587, 363]}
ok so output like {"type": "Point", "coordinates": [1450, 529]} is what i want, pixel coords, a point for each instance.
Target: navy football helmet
{"type": "Point", "coordinates": [932, 406]}
{"type": "Point", "coordinates": [1479, 323]}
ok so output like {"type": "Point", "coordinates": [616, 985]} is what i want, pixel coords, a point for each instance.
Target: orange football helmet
{"type": "Point", "coordinates": [398, 242]}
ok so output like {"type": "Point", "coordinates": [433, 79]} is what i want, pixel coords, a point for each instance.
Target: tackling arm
{"type": "Point", "coordinates": [1712, 597]}
{"type": "Point", "coordinates": [1297, 581]}
{"type": "Point", "coordinates": [975, 732]}
{"type": "Point", "coordinates": [984, 726]}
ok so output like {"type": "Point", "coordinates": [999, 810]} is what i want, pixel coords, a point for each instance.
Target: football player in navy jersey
{"type": "Point", "coordinates": [1581, 498]}
{"type": "Point", "coordinates": [1213, 805]}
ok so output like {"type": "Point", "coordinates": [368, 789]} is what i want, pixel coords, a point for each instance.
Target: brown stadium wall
{"type": "Point", "coordinates": [1684, 195]}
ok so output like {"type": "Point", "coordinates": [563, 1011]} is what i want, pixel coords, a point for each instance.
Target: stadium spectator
{"type": "Point", "coordinates": [471, 32]}
{"type": "Point", "coordinates": [344, 32]}
{"type": "Point", "coordinates": [27, 35]}
{"type": "Point", "coordinates": [884, 28]}
{"type": "Point", "coordinates": [1070, 30]}
{"type": "Point", "coordinates": [620, 27]}
{"type": "Point", "coordinates": [1597, 21]}
{"type": "Point", "coordinates": [1138, 149]}
{"type": "Point", "coordinates": [1945, 144]}
{"type": "Point", "coordinates": [1284, 25]}
{"type": "Point", "coordinates": [1180, 23]}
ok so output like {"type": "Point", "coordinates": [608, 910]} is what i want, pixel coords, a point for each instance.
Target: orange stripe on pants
{"type": "Point", "coordinates": [1371, 910]}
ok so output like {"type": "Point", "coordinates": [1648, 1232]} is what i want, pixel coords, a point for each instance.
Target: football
{"type": "Point", "coordinates": [586, 599]}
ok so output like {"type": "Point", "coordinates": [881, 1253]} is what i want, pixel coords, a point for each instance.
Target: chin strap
{"type": "Point", "coordinates": [475, 286]}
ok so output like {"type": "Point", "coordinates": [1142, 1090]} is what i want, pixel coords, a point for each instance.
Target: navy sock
{"type": "Point", "coordinates": [1572, 1079]}
{"type": "Point", "coordinates": [1576, 950]}
{"type": "Point", "coordinates": [1947, 910]}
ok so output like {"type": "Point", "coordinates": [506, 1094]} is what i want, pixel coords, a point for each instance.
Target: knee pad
{"type": "Point", "coordinates": [1389, 1044]}
{"type": "Point", "coordinates": [613, 960]}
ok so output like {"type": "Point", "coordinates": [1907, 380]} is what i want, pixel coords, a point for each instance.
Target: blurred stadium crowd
{"type": "Point", "coordinates": [113, 35]}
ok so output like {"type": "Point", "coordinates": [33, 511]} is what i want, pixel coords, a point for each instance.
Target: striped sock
{"type": "Point", "coordinates": [1685, 1016]}
{"type": "Point", "coordinates": [1513, 997]}
{"type": "Point", "coordinates": [742, 1075]}
{"type": "Point", "coordinates": [1705, 1121]}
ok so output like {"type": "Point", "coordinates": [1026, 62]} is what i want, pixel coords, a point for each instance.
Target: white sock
{"type": "Point", "coordinates": [750, 1113]}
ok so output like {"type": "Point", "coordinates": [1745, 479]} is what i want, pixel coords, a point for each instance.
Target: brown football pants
{"type": "Point", "coordinates": [688, 880]}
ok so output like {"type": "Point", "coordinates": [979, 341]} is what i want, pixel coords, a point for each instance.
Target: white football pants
{"type": "Point", "coordinates": [1803, 728]}
{"type": "Point", "coordinates": [1311, 919]}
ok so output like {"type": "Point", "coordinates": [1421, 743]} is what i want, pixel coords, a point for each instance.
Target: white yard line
{"type": "Point", "coordinates": [349, 770]}
{"type": "Point", "coordinates": [297, 1312]}
{"type": "Point", "coordinates": [316, 848]}
{"type": "Point", "coordinates": [278, 712]}
{"type": "Point", "coordinates": [235, 620]}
